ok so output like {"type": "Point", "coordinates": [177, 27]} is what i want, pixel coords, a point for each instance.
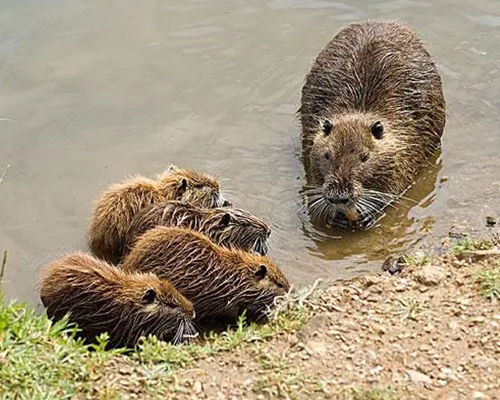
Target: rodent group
{"type": "Point", "coordinates": [169, 254]}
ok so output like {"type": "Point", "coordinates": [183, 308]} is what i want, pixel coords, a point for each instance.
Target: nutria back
{"type": "Point", "coordinates": [372, 112]}
{"type": "Point", "coordinates": [220, 282]}
{"type": "Point", "coordinates": [115, 209]}
{"type": "Point", "coordinates": [102, 298]}
{"type": "Point", "coordinates": [227, 227]}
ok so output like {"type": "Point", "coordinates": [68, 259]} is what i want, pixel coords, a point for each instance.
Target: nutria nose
{"type": "Point", "coordinates": [335, 196]}
{"type": "Point", "coordinates": [341, 200]}
{"type": "Point", "coordinates": [226, 203]}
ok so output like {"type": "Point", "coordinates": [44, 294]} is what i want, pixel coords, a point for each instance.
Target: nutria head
{"type": "Point", "coordinates": [236, 228]}
{"type": "Point", "coordinates": [354, 167]}
{"type": "Point", "coordinates": [101, 298]}
{"type": "Point", "coordinates": [192, 187]}
{"type": "Point", "coordinates": [263, 282]}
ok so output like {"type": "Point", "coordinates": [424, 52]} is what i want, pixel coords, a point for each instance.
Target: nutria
{"type": "Point", "coordinates": [102, 298]}
{"type": "Point", "coordinates": [227, 227]}
{"type": "Point", "coordinates": [115, 209]}
{"type": "Point", "coordinates": [372, 112]}
{"type": "Point", "coordinates": [220, 282]}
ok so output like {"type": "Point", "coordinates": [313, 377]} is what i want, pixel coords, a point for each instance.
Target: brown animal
{"type": "Point", "coordinates": [372, 112]}
{"type": "Point", "coordinates": [220, 282]}
{"type": "Point", "coordinates": [102, 298]}
{"type": "Point", "coordinates": [227, 227]}
{"type": "Point", "coordinates": [115, 209]}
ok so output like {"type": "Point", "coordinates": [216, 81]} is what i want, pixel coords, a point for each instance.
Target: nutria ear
{"type": "Point", "coordinates": [378, 130]}
{"type": "Point", "coordinates": [327, 127]}
{"type": "Point", "coordinates": [149, 296]}
{"type": "Point", "coordinates": [261, 271]}
{"type": "Point", "coordinates": [182, 185]}
{"type": "Point", "coordinates": [173, 167]}
{"type": "Point", "coordinates": [226, 219]}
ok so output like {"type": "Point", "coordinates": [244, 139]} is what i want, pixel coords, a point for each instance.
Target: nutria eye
{"type": "Point", "coordinates": [378, 130]}
{"type": "Point", "coordinates": [226, 218]}
{"type": "Point", "coordinates": [364, 157]}
{"type": "Point", "coordinates": [280, 285]}
{"type": "Point", "coordinates": [149, 296]}
{"type": "Point", "coordinates": [261, 271]}
{"type": "Point", "coordinates": [327, 127]}
{"type": "Point", "coordinates": [182, 184]}
{"type": "Point", "coordinates": [327, 156]}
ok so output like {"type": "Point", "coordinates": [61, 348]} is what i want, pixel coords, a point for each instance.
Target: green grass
{"type": "Point", "coordinates": [469, 244]}
{"type": "Point", "coordinates": [44, 360]}
{"type": "Point", "coordinates": [418, 259]}
{"type": "Point", "coordinates": [489, 282]}
{"type": "Point", "coordinates": [373, 394]}
{"type": "Point", "coordinates": [41, 360]}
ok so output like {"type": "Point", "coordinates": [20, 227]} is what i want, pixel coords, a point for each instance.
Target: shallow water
{"type": "Point", "coordinates": [91, 92]}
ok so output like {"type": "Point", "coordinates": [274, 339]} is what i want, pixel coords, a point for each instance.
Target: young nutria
{"type": "Point", "coordinates": [102, 298]}
{"type": "Point", "coordinates": [226, 227]}
{"type": "Point", "coordinates": [115, 209]}
{"type": "Point", "coordinates": [220, 282]}
{"type": "Point", "coordinates": [372, 111]}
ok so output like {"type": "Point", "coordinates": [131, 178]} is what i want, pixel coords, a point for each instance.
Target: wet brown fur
{"type": "Point", "coordinates": [102, 298]}
{"type": "Point", "coordinates": [220, 282]}
{"type": "Point", "coordinates": [115, 209]}
{"type": "Point", "coordinates": [228, 227]}
{"type": "Point", "coordinates": [370, 72]}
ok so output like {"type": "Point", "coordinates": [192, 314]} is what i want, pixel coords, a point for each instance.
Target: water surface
{"type": "Point", "coordinates": [91, 92]}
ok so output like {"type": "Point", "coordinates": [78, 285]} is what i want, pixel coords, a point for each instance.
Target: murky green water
{"type": "Point", "coordinates": [91, 92]}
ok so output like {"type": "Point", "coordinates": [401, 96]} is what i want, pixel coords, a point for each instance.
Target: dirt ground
{"type": "Point", "coordinates": [426, 333]}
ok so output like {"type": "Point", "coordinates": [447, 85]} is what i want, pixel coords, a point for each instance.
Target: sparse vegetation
{"type": "Point", "coordinates": [417, 259]}
{"type": "Point", "coordinates": [374, 394]}
{"type": "Point", "coordinates": [489, 282]}
{"type": "Point", "coordinates": [469, 244]}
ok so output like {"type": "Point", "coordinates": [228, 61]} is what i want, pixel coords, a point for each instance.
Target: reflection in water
{"type": "Point", "coordinates": [395, 232]}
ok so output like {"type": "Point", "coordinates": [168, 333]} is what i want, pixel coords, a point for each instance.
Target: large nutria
{"type": "Point", "coordinates": [220, 282]}
{"type": "Point", "coordinates": [116, 208]}
{"type": "Point", "coordinates": [228, 227]}
{"type": "Point", "coordinates": [102, 298]}
{"type": "Point", "coordinates": [372, 112]}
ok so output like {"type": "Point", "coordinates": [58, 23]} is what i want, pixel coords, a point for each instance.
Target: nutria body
{"type": "Point", "coordinates": [372, 112]}
{"type": "Point", "coordinates": [102, 298]}
{"type": "Point", "coordinates": [219, 282]}
{"type": "Point", "coordinates": [227, 227]}
{"type": "Point", "coordinates": [115, 209]}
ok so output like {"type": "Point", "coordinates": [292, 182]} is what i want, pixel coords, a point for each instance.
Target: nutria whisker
{"type": "Point", "coordinates": [392, 196]}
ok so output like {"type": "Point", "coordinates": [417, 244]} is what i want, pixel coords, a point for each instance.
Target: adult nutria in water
{"type": "Point", "coordinates": [116, 208]}
{"type": "Point", "coordinates": [220, 282]}
{"type": "Point", "coordinates": [102, 298]}
{"type": "Point", "coordinates": [228, 227]}
{"type": "Point", "coordinates": [372, 112]}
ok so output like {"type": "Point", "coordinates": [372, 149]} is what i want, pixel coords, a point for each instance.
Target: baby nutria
{"type": "Point", "coordinates": [372, 112]}
{"type": "Point", "coordinates": [102, 298]}
{"type": "Point", "coordinates": [220, 282]}
{"type": "Point", "coordinates": [115, 209]}
{"type": "Point", "coordinates": [227, 227]}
